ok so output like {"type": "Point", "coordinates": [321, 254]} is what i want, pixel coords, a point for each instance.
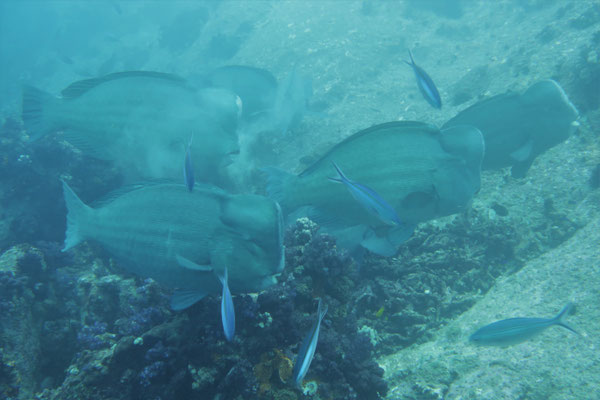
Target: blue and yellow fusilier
{"type": "Point", "coordinates": [188, 167]}
{"type": "Point", "coordinates": [368, 198]}
{"type": "Point", "coordinates": [307, 350]}
{"type": "Point", "coordinates": [425, 83]}
{"type": "Point", "coordinates": [516, 330]}
{"type": "Point", "coordinates": [227, 310]}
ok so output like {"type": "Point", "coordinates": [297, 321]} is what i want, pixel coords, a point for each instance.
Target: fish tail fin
{"type": "Point", "coordinates": [36, 119]}
{"type": "Point", "coordinates": [412, 60]}
{"type": "Point", "coordinates": [223, 278]}
{"type": "Point", "coordinates": [77, 214]}
{"type": "Point", "coordinates": [322, 310]}
{"type": "Point", "coordinates": [558, 320]}
{"type": "Point", "coordinates": [279, 185]}
{"type": "Point", "coordinates": [341, 177]}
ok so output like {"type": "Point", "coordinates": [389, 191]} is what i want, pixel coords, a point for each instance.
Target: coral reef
{"type": "Point", "coordinates": [31, 168]}
{"type": "Point", "coordinates": [74, 326]}
{"type": "Point", "coordinates": [95, 335]}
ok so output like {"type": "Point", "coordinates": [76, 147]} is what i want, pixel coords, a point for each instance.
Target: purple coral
{"type": "Point", "coordinates": [140, 321]}
{"type": "Point", "coordinates": [152, 372]}
{"type": "Point", "coordinates": [157, 352]}
{"type": "Point", "coordinates": [89, 336]}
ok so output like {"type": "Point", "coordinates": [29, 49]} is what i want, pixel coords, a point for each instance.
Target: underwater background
{"type": "Point", "coordinates": [78, 325]}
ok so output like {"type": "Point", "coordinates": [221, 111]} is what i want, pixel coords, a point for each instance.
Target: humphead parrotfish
{"type": "Point", "coordinates": [268, 105]}
{"type": "Point", "coordinates": [292, 101]}
{"type": "Point", "coordinates": [519, 127]}
{"type": "Point", "coordinates": [141, 120]}
{"type": "Point", "coordinates": [185, 240]}
{"type": "Point", "coordinates": [256, 87]}
{"type": "Point", "coordinates": [421, 171]}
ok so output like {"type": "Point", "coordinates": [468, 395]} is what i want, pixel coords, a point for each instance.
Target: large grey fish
{"type": "Point", "coordinates": [269, 106]}
{"type": "Point", "coordinates": [291, 101]}
{"type": "Point", "coordinates": [421, 171]}
{"type": "Point", "coordinates": [141, 120]}
{"type": "Point", "coordinates": [185, 240]}
{"type": "Point", "coordinates": [256, 87]}
{"type": "Point", "coordinates": [519, 127]}
{"type": "Point", "coordinates": [516, 330]}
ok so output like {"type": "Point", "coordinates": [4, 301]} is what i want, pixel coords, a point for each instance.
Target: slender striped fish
{"type": "Point", "coordinates": [425, 83]}
{"type": "Point", "coordinates": [307, 350]}
{"type": "Point", "coordinates": [517, 330]}
{"type": "Point", "coordinates": [369, 199]}
{"type": "Point", "coordinates": [227, 311]}
{"type": "Point", "coordinates": [188, 169]}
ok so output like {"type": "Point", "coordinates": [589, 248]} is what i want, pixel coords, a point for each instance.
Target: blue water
{"type": "Point", "coordinates": [77, 324]}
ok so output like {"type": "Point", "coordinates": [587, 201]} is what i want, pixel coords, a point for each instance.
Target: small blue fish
{"type": "Point", "coordinates": [227, 311]}
{"type": "Point", "coordinates": [307, 350]}
{"type": "Point", "coordinates": [426, 85]}
{"type": "Point", "coordinates": [188, 169]}
{"type": "Point", "coordinates": [516, 330]}
{"type": "Point", "coordinates": [369, 199]}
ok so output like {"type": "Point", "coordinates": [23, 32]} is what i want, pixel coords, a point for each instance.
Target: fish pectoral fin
{"type": "Point", "coordinates": [322, 218]}
{"type": "Point", "coordinates": [523, 152]}
{"type": "Point", "coordinates": [519, 170]}
{"type": "Point", "coordinates": [400, 233]}
{"type": "Point", "coordinates": [189, 264]}
{"type": "Point", "coordinates": [183, 299]}
{"type": "Point", "coordinates": [385, 240]}
{"type": "Point", "coordinates": [378, 244]}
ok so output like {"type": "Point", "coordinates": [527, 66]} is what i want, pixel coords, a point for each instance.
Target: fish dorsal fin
{"type": "Point", "coordinates": [482, 108]}
{"type": "Point", "coordinates": [115, 194]}
{"type": "Point", "coordinates": [78, 88]}
{"type": "Point", "coordinates": [240, 69]}
{"type": "Point", "coordinates": [403, 125]}
{"type": "Point", "coordinates": [199, 188]}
